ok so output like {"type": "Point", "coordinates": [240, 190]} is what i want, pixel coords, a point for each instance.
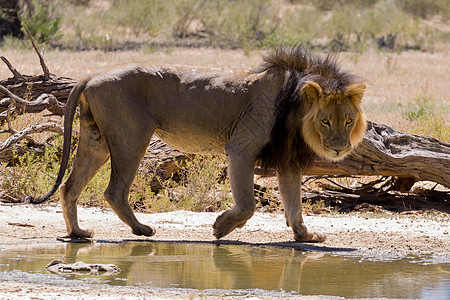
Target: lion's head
{"type": "Point", "coordinates": [319, 110]}
{"type": "Point", "coordinates": [333, 123]}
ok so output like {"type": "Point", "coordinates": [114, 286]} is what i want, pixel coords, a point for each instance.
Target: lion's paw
{"type": "Point", "coordinates": [81, 233]}
{"type": "Point", "coordinates": [309, 236]}
{"type": "Point", "coordinates": [225, 224]}
{"type": "Point", "coordinates": [144, 230]}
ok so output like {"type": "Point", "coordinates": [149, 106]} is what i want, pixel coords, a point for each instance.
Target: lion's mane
{"type": "Point", "coordinates": [287, 148]}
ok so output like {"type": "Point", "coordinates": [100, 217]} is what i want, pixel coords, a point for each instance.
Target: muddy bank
{"type": "Point", "coordinates": [389, 234]}
{"type": "Point", "coordinates": [383, 236]}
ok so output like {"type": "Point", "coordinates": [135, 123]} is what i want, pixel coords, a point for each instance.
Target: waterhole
{"type": "Point", "coordinates": [206, 266]}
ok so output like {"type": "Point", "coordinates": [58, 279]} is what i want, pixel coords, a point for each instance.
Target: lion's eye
{"type": "Point", "coordinates": [349, 122]}
{"type": "Point", "coordinates": [326, 122]}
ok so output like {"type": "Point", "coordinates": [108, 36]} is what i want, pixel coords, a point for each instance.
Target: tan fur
{"type": "Point", "coordinates": [263, 116]}
{"type": "Point", "coordinates": [326, 105]}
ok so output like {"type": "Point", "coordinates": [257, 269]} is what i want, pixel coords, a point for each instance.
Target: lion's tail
{"type": "Point", "coordinates": [69, 113]}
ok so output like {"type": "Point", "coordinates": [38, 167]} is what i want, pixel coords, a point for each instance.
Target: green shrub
{"type": "Point", "coordinates": [201, 186]}
{"type": "Point", "coordinates": [144, 16]}
{"type": "Point", "coordinates": [421, 106]}
{"type": "Point", "coordinates": [434, 125]}
{"type": "Point", "coordinates": [42, 20]}
{"type": "Point", "coordinates": [426, 8]}
{"type": "Point", "coordinates": [243, 24]}
{"type": "Point", "coordinates": [427, 118]}
{"type": "Point", "coordinates": [301, 24]}
{"type": "Point", "coordinates": [256, 24]}
{"type": "Point", "coordinates": [327, 5]}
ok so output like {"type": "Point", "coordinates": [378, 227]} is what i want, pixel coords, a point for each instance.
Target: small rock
{"type": "Point", "coordinates": [60, 267]}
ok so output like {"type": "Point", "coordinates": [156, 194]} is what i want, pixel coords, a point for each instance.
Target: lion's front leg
{"type": "Point", "coordinates": [289, 184]}
{"type": "Point", "coordinates": [240, 172]}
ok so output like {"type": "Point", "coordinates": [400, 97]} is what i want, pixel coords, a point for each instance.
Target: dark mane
{"type": "Point", "coordinates": [287, 148]}
{"type": "Point", "coordinates": [325, 69]}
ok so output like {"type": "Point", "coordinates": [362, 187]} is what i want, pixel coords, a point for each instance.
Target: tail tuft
{"type": "Point", "coordinates": [32, 200]}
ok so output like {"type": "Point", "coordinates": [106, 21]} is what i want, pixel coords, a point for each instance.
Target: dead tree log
{"type": "Point", "coordinates": [30, 94]}
{"type": "Point", "coordinates": [31, 87]}
{"type": "Point", "coordinates": [388, 152]}
{"type": "Point", "coordinates": [383, 152]}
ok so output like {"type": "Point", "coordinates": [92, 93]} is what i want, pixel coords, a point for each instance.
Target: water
{"type": "Point", "coordinates": [205, 266]}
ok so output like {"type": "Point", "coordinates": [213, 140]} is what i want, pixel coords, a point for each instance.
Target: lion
{"type": "Point", "coordinates": [294, 106]}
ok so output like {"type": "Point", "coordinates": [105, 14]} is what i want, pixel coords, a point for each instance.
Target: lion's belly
{"type": "Point", "coordinates": [190, 143]}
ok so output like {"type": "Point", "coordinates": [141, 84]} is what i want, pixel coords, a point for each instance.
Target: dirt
{"type": "Point", "coordinates": [366, 234]}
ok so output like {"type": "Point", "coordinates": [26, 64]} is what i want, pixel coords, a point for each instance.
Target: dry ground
{"type": "Point", "coordinates": [363, 233]}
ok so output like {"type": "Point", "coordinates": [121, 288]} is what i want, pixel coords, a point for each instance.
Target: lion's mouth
{"type": "Point", "coordinates": [336, 155]}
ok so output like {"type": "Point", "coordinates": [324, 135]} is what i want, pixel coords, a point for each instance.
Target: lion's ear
{"type": "Point", "coordinates": [312, 90]}
{"type": "Point", "coordinates": [355, 91]}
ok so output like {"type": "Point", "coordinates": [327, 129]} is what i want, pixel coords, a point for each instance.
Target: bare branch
{"type": "Point", "coordinates": [44, 101]}
{"type": "Point", "coordinates": [16, 74]}
{"type": "Point", "coordinates": [12, 96]}
{"type": "Point", "coordinates": [47, 74]}
{"type": "Point", "coordinates": [17, 137]}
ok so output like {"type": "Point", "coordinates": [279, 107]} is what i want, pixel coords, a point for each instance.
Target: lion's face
{"type": "Point", "coordinates": [333, 124]}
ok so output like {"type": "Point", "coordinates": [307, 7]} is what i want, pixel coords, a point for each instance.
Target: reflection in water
{"type": "Point", "coordinates": [208, 266]}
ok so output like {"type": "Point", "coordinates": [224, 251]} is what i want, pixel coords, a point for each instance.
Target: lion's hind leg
{"type": "Point", "coordinates": [126, 156]}
{"type": "Point", "coordinates": [92, 154]}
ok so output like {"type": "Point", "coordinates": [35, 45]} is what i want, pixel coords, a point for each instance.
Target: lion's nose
{"type": "Point", "coordinates": [340, 150]}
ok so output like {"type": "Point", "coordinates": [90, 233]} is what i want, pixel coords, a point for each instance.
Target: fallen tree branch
{"type": "Point", "coordinates": [387, 152]}
{"type": "Point", "coordinates": [15, 73]}
{"type": "Point", "coordinates": [383, 152]}
{"type": "Point", "coordinates": [8, 144]}
{"type": "Point", "coordinates": [17, 105]}
{"type": "Point", "coordinates": [52, 127]}
{"type": "Point", "coordinates": [44, 101]}
{"type": "Point", "coordinates": [35, 86]}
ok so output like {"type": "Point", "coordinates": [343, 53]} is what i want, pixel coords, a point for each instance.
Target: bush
{"type": "Point", "coordinates": [41, 20]}
{"type": "Point", "coordinates": [252, 24]}
{"type": "Point", "coordinates": [200, 186]}
{"type": "Point", "coordinates": [327, 5]}
{"type": "Point", "coordinates": [31, 174]}
{"type": "Point", "coordinates": [426, 8]}
{"type": "Point", "coordinates": [143, 16]}
{"type": "Point", "coordinates": [202, 189]}
{"type": "Point", "coordinates": [421, 106]}
{"type": "Point", "coordinates": [432, 124]}
{"type": "Point", "coordinates": [242, 24]}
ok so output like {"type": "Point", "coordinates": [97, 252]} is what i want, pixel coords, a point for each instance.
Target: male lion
{"type": "Point", "coordinates": [293, 106]}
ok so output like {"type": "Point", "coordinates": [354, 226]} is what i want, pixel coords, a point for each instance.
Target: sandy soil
{"type": "Point", "coordinates": [364, 234]}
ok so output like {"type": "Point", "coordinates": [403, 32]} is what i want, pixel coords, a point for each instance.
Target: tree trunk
{"type": "Point", "coordinates": [9, 19]}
